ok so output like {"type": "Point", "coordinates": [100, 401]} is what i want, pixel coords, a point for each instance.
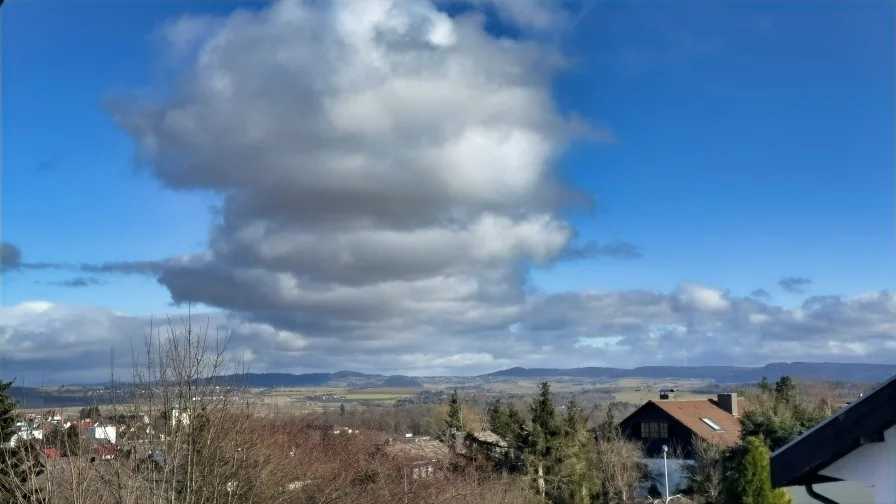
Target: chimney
{"type": "Point", "coordinates": [728, 402]}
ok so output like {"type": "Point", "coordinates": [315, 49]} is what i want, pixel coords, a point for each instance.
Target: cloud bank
{"type": "Point", "coordinates": [66, 344]}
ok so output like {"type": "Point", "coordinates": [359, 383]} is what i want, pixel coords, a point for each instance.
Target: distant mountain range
{"type": "Point", "coordinates": [808, 371]}
{"type": "Point", "coordinates": [339, 379]}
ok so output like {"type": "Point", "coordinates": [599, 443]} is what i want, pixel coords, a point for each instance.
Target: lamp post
{"type": "Point", "coordinates": [666, 471]}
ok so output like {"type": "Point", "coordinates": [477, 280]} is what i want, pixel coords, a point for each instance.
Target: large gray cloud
{"type": "Point", "coordinates": [378, 163]}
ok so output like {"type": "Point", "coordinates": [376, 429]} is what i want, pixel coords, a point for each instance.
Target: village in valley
{"type": "Point", "coordinates": [671, 436]}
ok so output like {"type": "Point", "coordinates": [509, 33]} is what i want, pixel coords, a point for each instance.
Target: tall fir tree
{"type": "Point", "coordinates": [454, 430]}
{"type": "Point", "coordinates": [7, 412]}
{"type": "Point", "coordinates": [545, 442]}
{"type": "Point", "coordinates": [765, 386]}
{"type": "Point", "coordinates": [785, 390]}
{"type": "Point", "coordinates": [578, 481]}
{"type": "Point", "coordinates": [751, 481]}
{"type": "Point", "coordinates": [455, 419]}
{"type": "Point", "coordinates": [19, 464]}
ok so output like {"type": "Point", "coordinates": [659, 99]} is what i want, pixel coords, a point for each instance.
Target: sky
{"type": "Point", "coordinates": [433, 187]}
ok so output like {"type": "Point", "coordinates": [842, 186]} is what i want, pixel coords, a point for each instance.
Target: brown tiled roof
{"type": "Point", "coordinates": [690, 413]}
{"type": "Point", "coordinates": [489, 437]}
{"type": "Point", "coordinates": [419, 451]}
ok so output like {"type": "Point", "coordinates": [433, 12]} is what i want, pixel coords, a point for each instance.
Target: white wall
{"type": "Point", "coordinates": [873, 465]}
{"type": "Point", "coordinates": [677, 480]}
{"type": "Point", "coordinates": [23, 435]}
{"type": "Point", "coordinates": [107, 432]}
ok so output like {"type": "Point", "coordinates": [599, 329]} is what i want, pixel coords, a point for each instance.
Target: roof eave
{"type": "Point", "coordinates": [859, 423]}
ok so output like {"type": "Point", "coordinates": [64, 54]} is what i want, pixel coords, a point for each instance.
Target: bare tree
{"type": "Point", "coordinates": [707, 473]}
{"type": "Point", "coordinates": [620, 464]}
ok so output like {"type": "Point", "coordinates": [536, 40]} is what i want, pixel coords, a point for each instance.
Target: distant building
{"type": "Point", "coordinates": [102, 432]}
{"type": "Point", "coordinates": [420, 458]}
{"type": "Point", "coordinates": [24, 431]}
{"type": "Point", "coordinates": [487, 443]}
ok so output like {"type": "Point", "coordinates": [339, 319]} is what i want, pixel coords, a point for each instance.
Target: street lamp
{"type": "Point", "coordinates": [666, 471]}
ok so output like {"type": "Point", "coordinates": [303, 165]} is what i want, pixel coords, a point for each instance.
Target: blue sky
{"type": "Point", "coordinates": [755, 142]}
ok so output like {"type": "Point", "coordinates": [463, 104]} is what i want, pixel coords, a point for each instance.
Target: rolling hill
{"type": "Point", "coordinates": [809, 371]}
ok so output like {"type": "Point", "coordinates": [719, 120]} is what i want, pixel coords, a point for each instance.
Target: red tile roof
{"type": "Point", "coordinates": [691, 413]}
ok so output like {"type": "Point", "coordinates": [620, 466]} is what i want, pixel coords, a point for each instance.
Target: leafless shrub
{"type": "Point", "coordinates": [706, 475]}
{"type": "Point", "coordinates": [620, 464]}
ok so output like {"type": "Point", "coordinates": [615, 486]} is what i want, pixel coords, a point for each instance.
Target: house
{"type": "Point", "coordinates": [24, 431]}
{"type": "Point", "coordinates": [485, 442]}
{"type": "Point", "coordinates": [420, 458]}
{"type": "Point", "coordinates": [675, 423]}
{"type": "Point", "coordinates": [107, 451]}
{"type": "Point", "coordinates": [102, 432]}
{"type": "Point", "coordinates": [857, 444]}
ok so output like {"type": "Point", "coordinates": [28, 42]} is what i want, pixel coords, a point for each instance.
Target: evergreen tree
{"type": "Point", "coordinates": [7, 412]}
{"type": "Point", "coordinates": [609, 427]}
{"type": "Point", "coordinates": [751, 481]}
{"type": "Point", "coordinates": [66, 441]}
{"type": "Point", "coordinates": [91, 412]}
{"type": "Point", "coordinates": [455, 420]}
{"type": "Point", "coordinates": [778, 416]}
{"type": "Point", "coordinates": [785, 390]}
{"type": "Point", "coordinates": [498, 420]}
{"type": "Point", "coordinates": [454, 429]}
{"type": "Point", "coordinates": [18, 464]}
{"type": "Point", "coordinates": [765, 386]}
{"type": "Point", "coordinates": [342, 410]}
{"type": "Point", "coordinates": [545, 444]}
{"type": "Point", "coordinates": [577, 480]}
{"type": "Point", "coordinates": [73, 440]}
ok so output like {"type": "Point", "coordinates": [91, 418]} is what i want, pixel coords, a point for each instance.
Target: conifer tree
{"type": "Point", "coordinates": [578, 482]}
{"type": "Point", "coordinates": [7, 412]}
{"type": "Point", "coordinates": [455, 420]}
{"type": "Point", "coordinates": [454, 429]}
{"type": "Point", "coordinates": [19, 464]}
{"type": "Point", "coordinates": [765, 386]}
{"type": "Point", "coordinates": [785, 390]}
{"type": "Point", "coordinates": [751, 481]}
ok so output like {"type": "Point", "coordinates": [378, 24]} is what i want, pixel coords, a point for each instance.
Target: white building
{"type": "Point", "coordinates": [178, 416]}
{"type": "Point", "coordinates": [23, 432]}
{"type": "Point", "coordinates": [857, 444]}
{"type": "Point", "coordinates": [102, 432]}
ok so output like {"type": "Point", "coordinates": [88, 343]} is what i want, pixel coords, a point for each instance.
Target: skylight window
{"type": "Point", "coordinates": [712, 424]}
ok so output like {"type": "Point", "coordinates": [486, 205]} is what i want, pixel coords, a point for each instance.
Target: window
{"type": "Point", "coordinates": [712, 424]}
{"type": "Point", "coordinates": [654, 430]}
